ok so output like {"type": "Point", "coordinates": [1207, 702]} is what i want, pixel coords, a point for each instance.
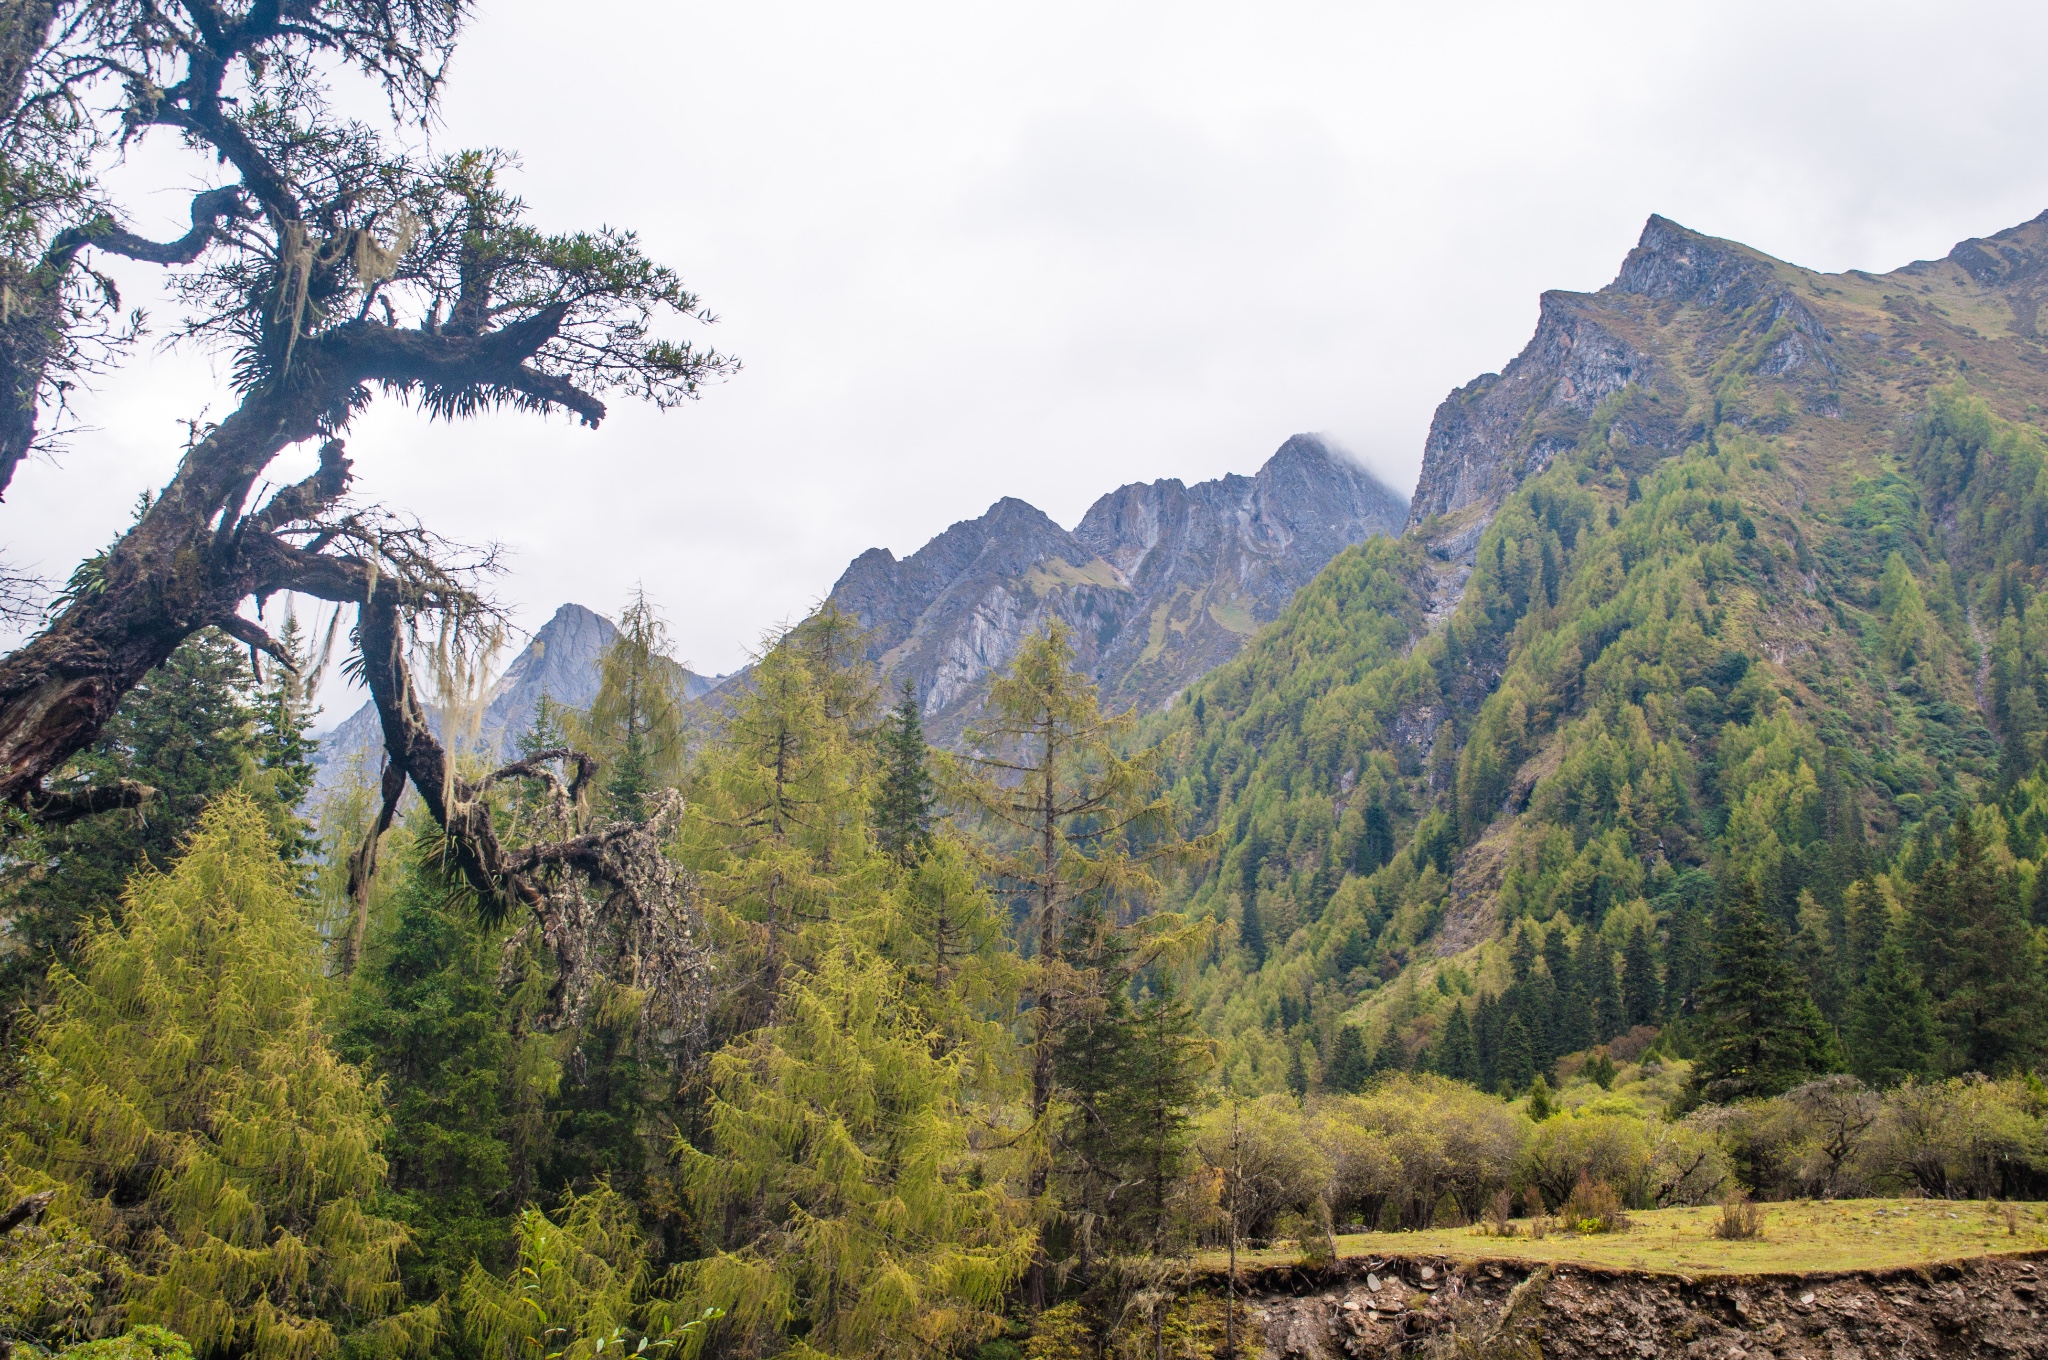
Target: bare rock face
{"type": "Point", "coordinates": [1597, 368]}
{"type": "Point", "coordinates": [1425, 1306]}
{"type": "Point", "coordinates": [1160, 581]}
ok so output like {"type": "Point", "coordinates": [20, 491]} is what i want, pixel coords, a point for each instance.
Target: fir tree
{"type": "Point", "coordinates": [426, 1013]}
{"type": "Point", "coordinates": [1891, 1027]}
{"type": "Point", "coordinates": [903, 803]}
{"type": "Point", "coordinates": [282, 743]}
{"type": "Point", "coordinates": [1641, 997]}
{"type": "Point", "coordinates": [1350, 1065]}
{"type": "Point", "coordinates": [1251, 933]}
{"type": "Point", "coordinates": [1456, 1056]}
{"type": "Point", "coordinates": [187, 1097]}
{"type": "Point", "coordinates": [1516, 1064]}
{"type": "Point", "coordinates": [635, 725]}
{"type": "Point", "coordinates": [778, 810]}
{"type": "Point", "coordinates": [1376, 845]}
{"type": "Point", "coordinates": [835, 1186]}
{"type": "Point", "coordinates": [1979, 961]}
{"type": "Point", "coordinates": [1297, 1070]}
{"type": "Point", "coordinates": [1762, 1033]}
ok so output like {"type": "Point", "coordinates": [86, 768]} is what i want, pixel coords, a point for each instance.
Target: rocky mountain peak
{"type": "Point", "coordinates": [1592, 348]}
{"type": "Point", "coordinates": [1160, 580]}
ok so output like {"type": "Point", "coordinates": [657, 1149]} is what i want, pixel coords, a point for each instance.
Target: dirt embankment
{"type": "Point", "coordinates": [1498, 1310]}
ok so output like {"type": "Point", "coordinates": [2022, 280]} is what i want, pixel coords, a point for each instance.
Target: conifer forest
{"type": "Point", "coordinates": [1656, 819]}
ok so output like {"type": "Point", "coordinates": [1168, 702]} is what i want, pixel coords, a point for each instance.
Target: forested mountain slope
{"type": "Point", "coordinates": [1728, 578]}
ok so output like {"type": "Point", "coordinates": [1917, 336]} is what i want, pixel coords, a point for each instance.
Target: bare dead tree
{"type": "Point", "coordinates": [330, 264]}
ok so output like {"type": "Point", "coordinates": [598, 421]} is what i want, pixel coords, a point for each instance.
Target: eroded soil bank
{"type": "Point", "coordinates": [1421, 1305]}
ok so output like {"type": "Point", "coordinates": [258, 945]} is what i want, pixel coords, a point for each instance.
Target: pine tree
{"type": "Point", "coordinates": [1979, 961]}
{"type": "Point", "coordinates": [1761, 1032]}
{"type": "Point", "coordinates": [425, 1012]}
{"type": "Point", "coordinates": [1641, 998]}
{"type": "Point", "coordinates": [577, 1283]}
{"type": "Point", "coordinates": [1376, 845]}
{"type": "Point", "coordinates": [1350, 1065]}
{"type": "Point", "coordinates": [834, 1183]}
{"type": "Point", "coordinates": [903, 802]}
{"type": "Point", "coordinates": [1891, 1025]}
{"type": "Point", "coordinates": [282, 743]}
{"type": "Point", "coordinates": [778, 808]}
{"type": "Point", "coordinates": [1167, 1056]}
{"type": "Point", "coordinates": [1456, 1057]}
{"type": "Point", "coordinates": [186, 1096]}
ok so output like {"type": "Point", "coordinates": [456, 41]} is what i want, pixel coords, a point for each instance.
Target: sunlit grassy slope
{"type": "Point", "coordinates": [1864, 1234]}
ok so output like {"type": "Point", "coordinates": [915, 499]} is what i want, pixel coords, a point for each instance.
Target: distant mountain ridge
{"type": "Point", "coordinates": [1160, 581]}
{"type": "Point", "coordinates": [560, 662]}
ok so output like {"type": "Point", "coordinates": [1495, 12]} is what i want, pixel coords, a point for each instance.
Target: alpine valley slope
{"type": "Point", "coordinates": [1730, 575]}
{"type": "Point", "coordinates": [1160, 581]}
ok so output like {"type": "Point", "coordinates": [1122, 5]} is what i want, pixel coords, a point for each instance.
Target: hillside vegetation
{"type": "Point", "coordinates": [1647, 839]}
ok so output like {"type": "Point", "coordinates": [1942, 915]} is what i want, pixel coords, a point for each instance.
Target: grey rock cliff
{"type": "Point", "coordinates": [1160, 581]}
{"type": "Point", "coordinates": [1601, 349]}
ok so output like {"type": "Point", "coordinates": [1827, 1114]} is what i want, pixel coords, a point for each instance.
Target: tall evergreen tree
{"type": "Point", "coordinates": [1891, 1024]}
{"type": "Point", "coordinates": [903, 802]}
{"type": "Point", "coordinates": [635, 725]}
{"type": "Point", "coordinates": [1761, 1032]}
{"type": "Point", "coordinates": [426, 1013]}
{"type": "Point", "coordinates": [1979, 961]}
{"type": "Point", "coordinates": [1350, 1065]}
{"type": "Point", "coordinates": [1073, 823]}
{"type": "Point", "coordinates": [1251, 932]}
{"type": "Point", "coordinates": [1456, 1056]}
{"type": "Point", "coordinates": [1516, 1065]}
{"type": "Point", "coordinates": [1641, 996]}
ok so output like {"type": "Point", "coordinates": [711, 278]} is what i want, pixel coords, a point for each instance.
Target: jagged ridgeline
{"type": "Point", "coordinates": [1730, 576]}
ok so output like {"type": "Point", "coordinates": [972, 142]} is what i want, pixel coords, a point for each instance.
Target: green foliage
{"type": "Point", "coordinates": [427, 1014]}
{"type": "Point", "coordinates": [1762, 1033]}
{"type": "Point", "coordinates": [903, 802]}
{"type": "Point", "coordinates": [635, 724]}
{"type": "Point", "coordinates": [836, 1184]}
{"type": "Point", "coordinates": [194, 728]}
{"type": "Point", "coordinates": [182, 1090]}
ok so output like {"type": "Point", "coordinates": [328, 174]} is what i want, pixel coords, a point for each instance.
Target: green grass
{"type": "Point", "coordinates": [1798, 1237]}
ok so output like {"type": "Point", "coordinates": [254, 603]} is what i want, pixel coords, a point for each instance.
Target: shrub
{"type": "Point", "coordinates": [1613, 1149]}
{"type": "Point", "coordinates": [1962, 1138]}
{"type": "Point", "coordinates": [1741, 1220]}
{"type": "Point", "coordinates": [1263, 1153]}
{"type": "Point", "coordinates": [1593, 1207]}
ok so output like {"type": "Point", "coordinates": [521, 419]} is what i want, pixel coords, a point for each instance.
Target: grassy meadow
{"type": "Point", "coordinates": [1798, 1236]}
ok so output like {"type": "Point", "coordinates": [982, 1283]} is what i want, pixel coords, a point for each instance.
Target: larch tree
{"type": "Point", "coordinates": [635, 725]}
{"type": "Point", "coordinates": [328, 263]}
{"type": "Point", "coordinates": [779, 808]}
{"type": "Point", "coordinates": [1073, 825]}
{"type": "Point", "coordinates": [186, 1098]}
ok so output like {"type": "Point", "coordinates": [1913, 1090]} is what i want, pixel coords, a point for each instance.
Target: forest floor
{"type": "Point", "coordinates": [1798, 1237]}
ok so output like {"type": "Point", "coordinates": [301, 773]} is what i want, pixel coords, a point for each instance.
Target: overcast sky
{"type": "Point", "coordinates": [968, 250]}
